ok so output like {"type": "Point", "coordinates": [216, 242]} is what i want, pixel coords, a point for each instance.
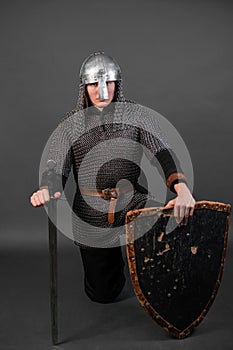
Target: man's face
{"type": "Point", "coordinates": [92, 90]}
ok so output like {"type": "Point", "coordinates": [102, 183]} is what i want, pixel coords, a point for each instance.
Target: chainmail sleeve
{"type": "Point", "coordinates": [157, 149]}
{"type": "Point", "coordinates": [60, 153]}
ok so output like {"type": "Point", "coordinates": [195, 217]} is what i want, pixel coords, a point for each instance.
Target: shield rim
{"type": "Point", "coordinates": [130, 217]}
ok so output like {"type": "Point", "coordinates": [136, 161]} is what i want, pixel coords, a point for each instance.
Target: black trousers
{"type": "Point", "coordinates": [104, 273]}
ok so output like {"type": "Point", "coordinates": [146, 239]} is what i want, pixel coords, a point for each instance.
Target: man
{"type": "Point", "coordinates": [106, 126]}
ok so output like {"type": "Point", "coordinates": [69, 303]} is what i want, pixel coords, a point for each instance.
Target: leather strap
{"type": "Point", "coordinates": [111, 210]}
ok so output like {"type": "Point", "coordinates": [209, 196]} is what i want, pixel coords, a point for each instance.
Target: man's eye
{"type": "Point", "coordinates": [93, 84]}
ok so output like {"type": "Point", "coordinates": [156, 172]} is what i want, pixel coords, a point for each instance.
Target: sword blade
{"type": "Point", "coordinates": [52, 215]}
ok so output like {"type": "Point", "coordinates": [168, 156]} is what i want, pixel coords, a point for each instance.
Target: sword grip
{"type": "Point", "coordinates": [51, 176]}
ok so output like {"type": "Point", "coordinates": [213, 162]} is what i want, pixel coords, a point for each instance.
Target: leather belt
{"type": "Point", "coordinates": [108, 194]}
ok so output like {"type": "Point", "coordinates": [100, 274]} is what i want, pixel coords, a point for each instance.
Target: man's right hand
{"type": "Point", "coordinates": [42, 197]}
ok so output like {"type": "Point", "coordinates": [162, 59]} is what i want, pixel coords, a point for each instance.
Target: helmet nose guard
{"type": "Point", "coordinates": [100, 68]}
{"type": "Point", "coordinates": [102, 87]}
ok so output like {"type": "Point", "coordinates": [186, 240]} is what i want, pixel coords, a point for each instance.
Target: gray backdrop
{"type": "Point", "coordinates": [176, 57]}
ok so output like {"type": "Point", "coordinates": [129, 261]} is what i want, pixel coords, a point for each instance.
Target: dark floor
{"type": "Point", "coordinates": [25, 313]}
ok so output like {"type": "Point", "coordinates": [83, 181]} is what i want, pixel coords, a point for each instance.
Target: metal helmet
{"type": "Point", "coordinates": [100, 68]}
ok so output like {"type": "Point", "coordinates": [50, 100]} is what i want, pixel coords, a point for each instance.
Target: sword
{"type": "Point", "coordinates": [52, 220]}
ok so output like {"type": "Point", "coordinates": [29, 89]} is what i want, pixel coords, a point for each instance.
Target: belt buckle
{"type": "Point", "coordinates": [109, 193]}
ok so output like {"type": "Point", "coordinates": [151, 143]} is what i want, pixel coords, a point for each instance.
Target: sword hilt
{"type": "Point", "coordinates": [51, 176]}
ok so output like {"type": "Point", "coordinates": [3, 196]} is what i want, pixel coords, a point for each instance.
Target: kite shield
{"type": "Point", "coordinates": [176, 274]}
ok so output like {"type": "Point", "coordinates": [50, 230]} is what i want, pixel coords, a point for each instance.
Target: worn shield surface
{"type": "Point", "coordinates": [176, 274]}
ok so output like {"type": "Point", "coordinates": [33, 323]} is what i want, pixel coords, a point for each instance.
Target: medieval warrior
{"type": "Point", "coordinates": [106, 135]}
